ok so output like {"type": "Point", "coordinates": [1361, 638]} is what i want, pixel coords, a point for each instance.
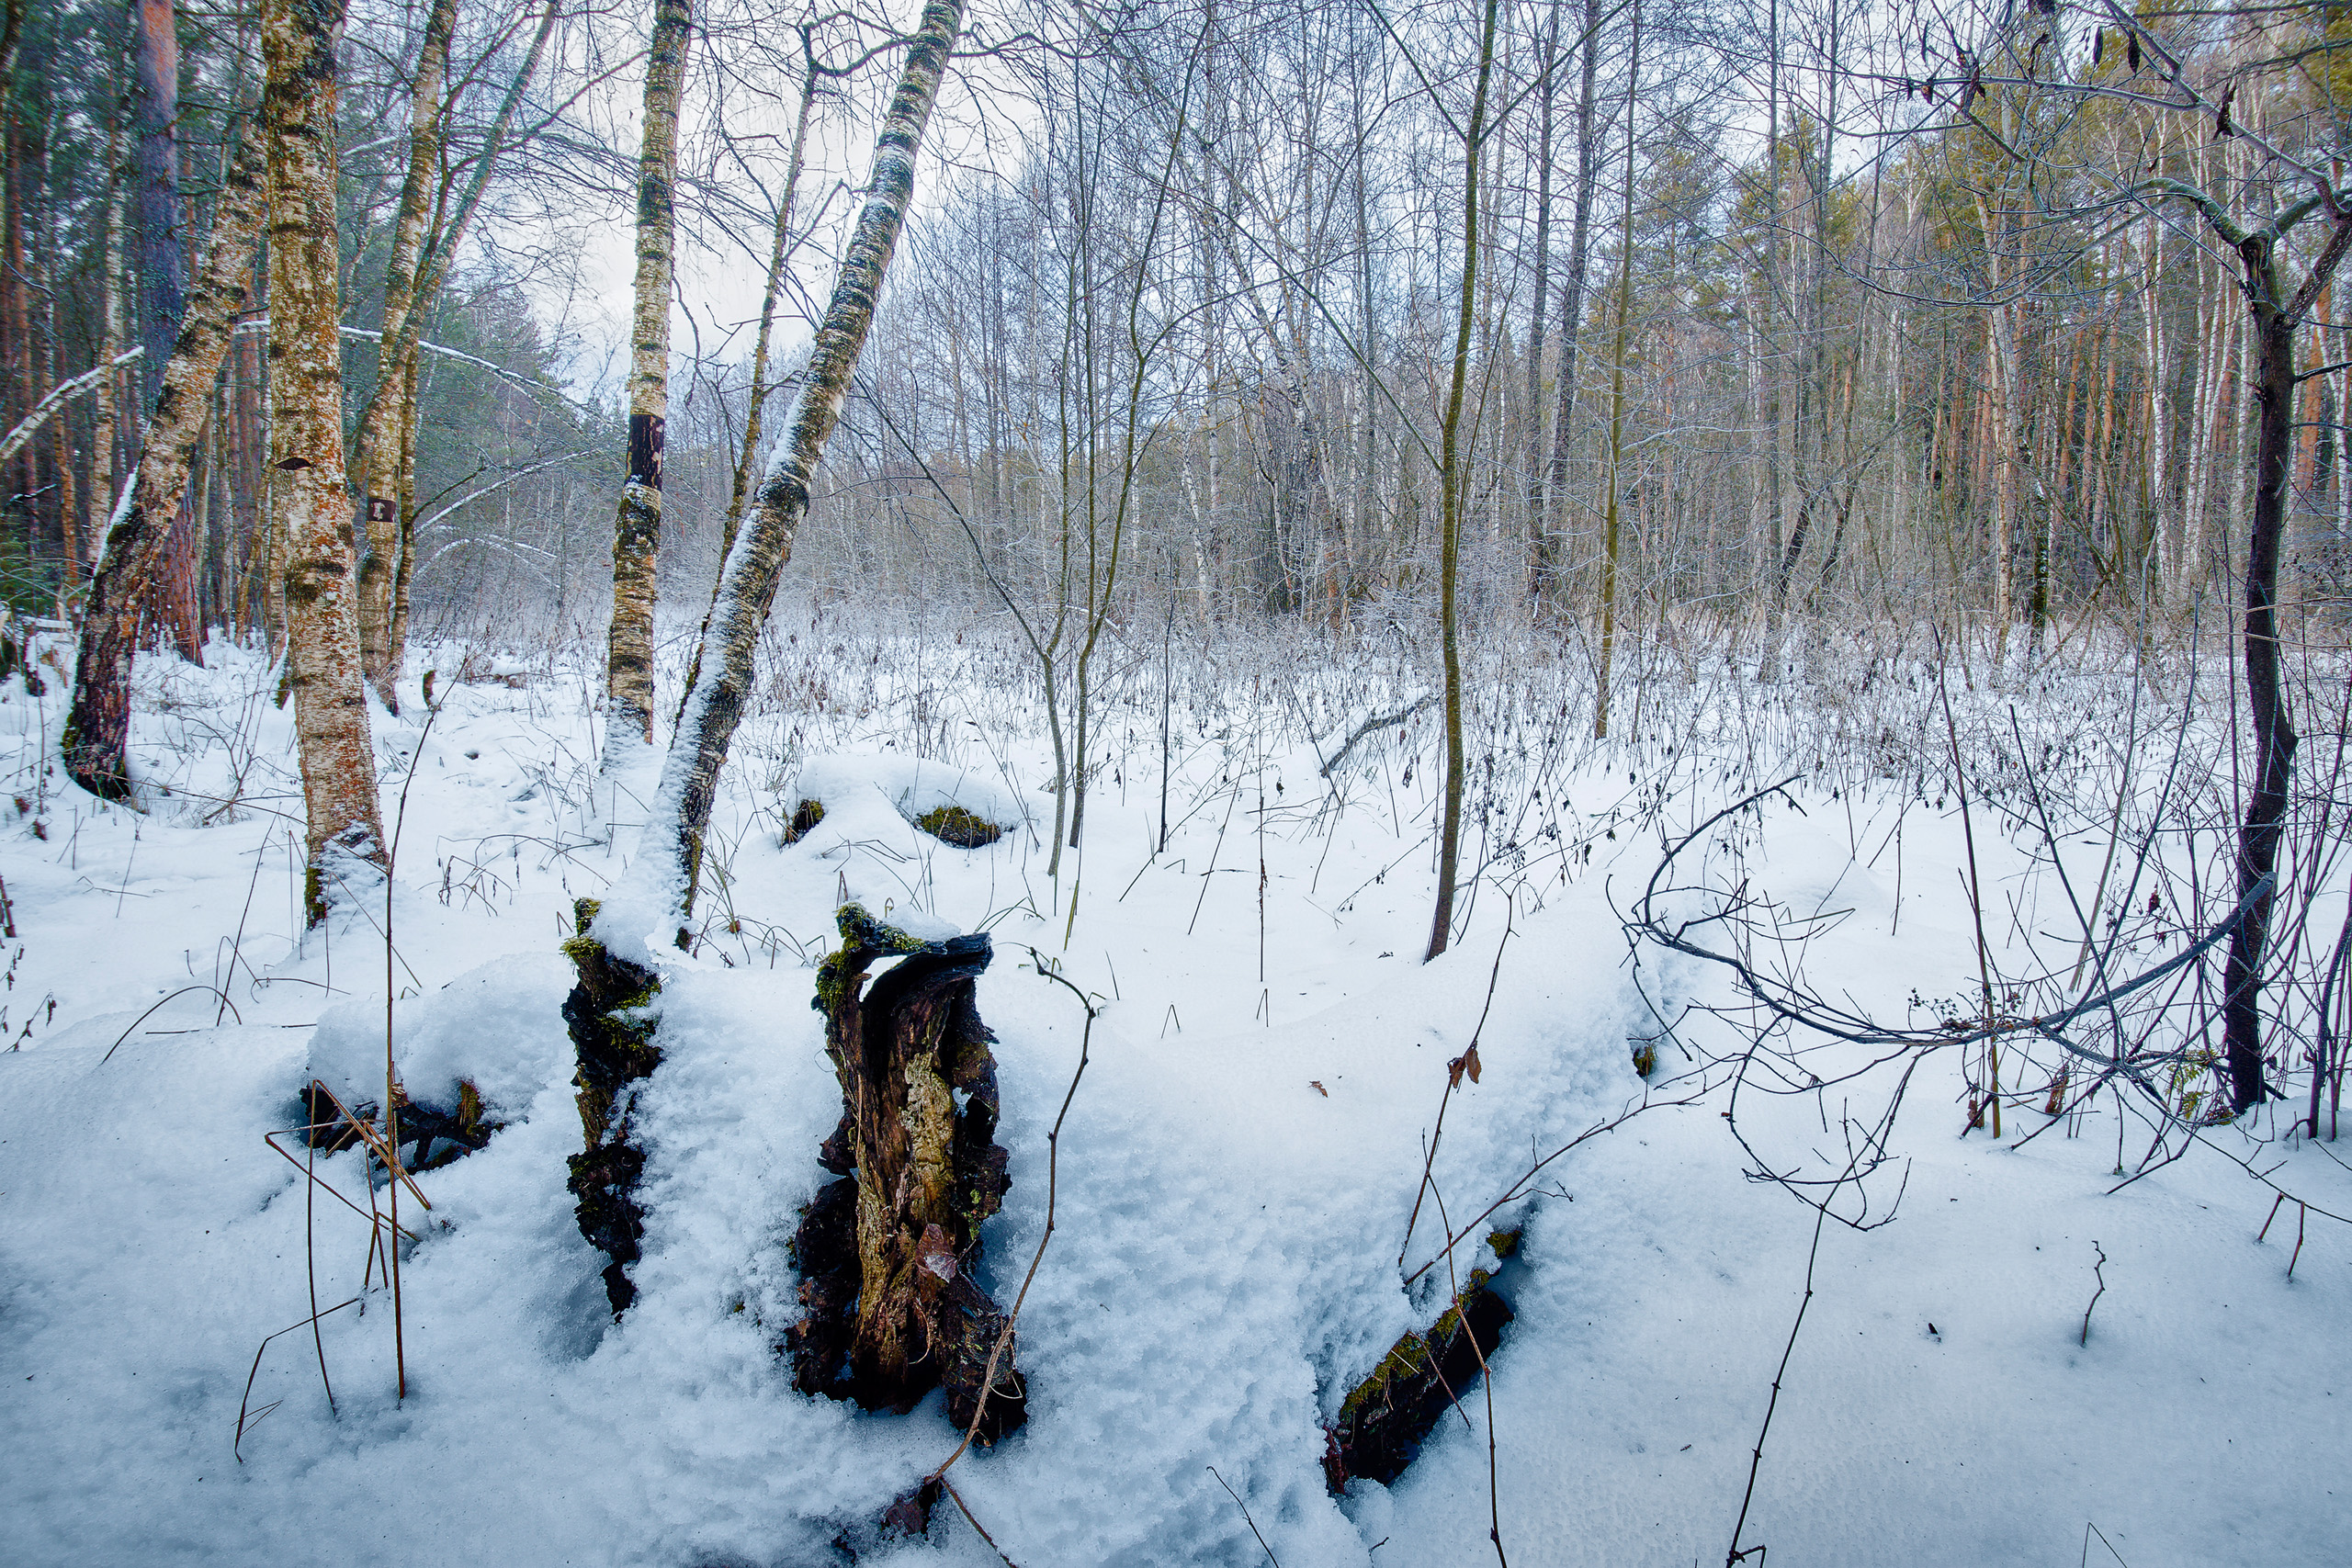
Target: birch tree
{"type": "Point", "coordinates": [308, 505]}
{"type": "Point", "coordinates": [98, 732]}
{"type": "Point", "coordinates": [753, 567]}
{"type": "Point", "coordinates": [637, 535]}
{"type": "Point", "coordinates": [378, 446]}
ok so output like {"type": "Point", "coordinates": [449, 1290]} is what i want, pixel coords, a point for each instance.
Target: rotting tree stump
{"type": "Point", "coordinates": [611, 1019]}
{"type": "Point", "coordinates": [886, 1252]}
{"type": "Point", "coordinates": [1386, 1416]}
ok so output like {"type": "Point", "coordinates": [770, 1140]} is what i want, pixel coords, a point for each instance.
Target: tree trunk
{"type": "Point", "coordinates": [155, 223]}
{"type": "Point", "coordinates": [308, 502]}
{"type": "Point", "coordinates": [1547, 565]}
{"type": "Point", "coordinates": [1611, 522]}
{"type": "Point", "coordinates": [658, 893]}
{"type": "Point", "coordinates": [715, 705]}
{"type": "Point", "coordinates": [1452, 487]}
{"type": "Point", "coordinates": [637, 535]}
{"type": "Point", "coordinates": [379, 442]}
{"type": "Point", "coordinates": [98, 732]}
{"type": "Point", "coordinates": [2274, 730]}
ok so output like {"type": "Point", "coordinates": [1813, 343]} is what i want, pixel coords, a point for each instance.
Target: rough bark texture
{"type": "Point", "coordinates": [748, 580]}
{"type": "Point", "coordinates": [611, 1019]}
{"type": "Point", "coordinates": [98, 728]}
{"type": "Point", "coordinates": [886, 1252]}
{"type": "Point", "coordinates": [637, 534]}
{"type": "Point", "coordinates": [379, 442]}
{"type": "Point", "coordinates": [309, 505]}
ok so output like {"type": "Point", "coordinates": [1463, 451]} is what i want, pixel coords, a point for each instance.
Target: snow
{"type": "Point", "coordinates": [1233, 1184]}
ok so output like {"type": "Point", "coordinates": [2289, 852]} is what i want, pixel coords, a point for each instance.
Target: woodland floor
{"type": "Point", "coordinates": [1241, 1160]}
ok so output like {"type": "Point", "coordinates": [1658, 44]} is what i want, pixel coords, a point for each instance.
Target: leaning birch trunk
{"type": "Point", "coordinates": [747, 580]}
{"type": "Point", "coordinates": [637, 534]}
{"type": "Point", "coordinates": [378, 443]}
{"type": "Point", "coordinates": [616, 950]}
{"type": "Point", "coordinates": [309, 504]}
{"type": "Point", "coordinates": [97, 732]}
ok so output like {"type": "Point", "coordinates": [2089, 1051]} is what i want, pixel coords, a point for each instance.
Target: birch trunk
{"type": "Point", "coordinates": [2161, 566]}
{"type": "Point", "coordinates": [383, 628]}
{"type": "Point", "coordinates": [637, 534]}
{"type": "Point", "coordinates": [309, 504]}
{"type": "Point", "coordinates": [377, 442]}
{"type": "Point", "coordinates": [97, 732]}
{"type": "Point", "coordinates": [748, 582]}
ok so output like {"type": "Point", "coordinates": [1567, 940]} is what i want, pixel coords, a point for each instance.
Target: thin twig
{"type": "Point", "coordinates": [1246, 1518]}
{"type": "Point", "coordinates": [1053, 1176]}
{"type": "Point", "coordinates": [2099, 1270]}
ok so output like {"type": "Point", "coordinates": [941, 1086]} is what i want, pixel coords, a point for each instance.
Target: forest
{"type": "Point", "coordinates": [677, 598]}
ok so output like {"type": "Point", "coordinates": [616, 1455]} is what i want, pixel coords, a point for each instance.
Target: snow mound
{"type": "Point", "coordinates": [911, 788]}
{"type": "Point", "coordinates": [498, 1027]}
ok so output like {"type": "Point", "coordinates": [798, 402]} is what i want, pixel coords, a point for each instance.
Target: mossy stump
{"type": "Point", "coordinates": [887, 1253]}
{"type": "Point", "coordinates": [1386, 1416]}
{"type": "Point", "coordinates": [611, 1017]}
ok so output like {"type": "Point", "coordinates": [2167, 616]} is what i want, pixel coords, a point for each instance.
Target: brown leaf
{"type": "Point", "coordinates": [1453, 1071]}
{"type": "Point", "coordinates": [1470, 1060]}
{"type": "Point", "coordinates": [1316, 1084]}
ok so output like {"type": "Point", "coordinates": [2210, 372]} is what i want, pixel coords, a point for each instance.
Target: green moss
{"type": "Point", "coordinates": [1645, 1057]}
{"type": "Point", "coordinates": [952, 824]}
{"type": "Point", "coordinates": [865, 937]}
{"type": "Point", "coordinates": [1505, 1242]}
{"type": "Point", "coordinates": [805, 816]}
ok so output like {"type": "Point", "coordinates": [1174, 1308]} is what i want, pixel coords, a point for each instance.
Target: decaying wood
{"type": "Point", "coordinates": [887, 1253]}
{"type": "Point", "coordinates": [610, 1016]}
{"type": "Point", "coordinates": [1386, 1416]}
{"type": "Point", "coordinates": [310, 506]}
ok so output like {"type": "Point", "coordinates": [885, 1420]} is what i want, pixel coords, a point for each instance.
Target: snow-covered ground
{"type": "Point", "coordinates": [1235, 1179]}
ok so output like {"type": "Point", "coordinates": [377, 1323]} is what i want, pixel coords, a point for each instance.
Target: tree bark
{"type": "Point", "coordinates": [156, 223]}
{"type": "Point", "coordinates": [2274, 731]}
{"type": "Point", "coordinates": [1452, 487]}
{"type": "Point", "coordinates": [1611, 524]}
{"type": "Point", "coordinates": [746, 587]}
{"type": "Point", "coordinates": [377, 442]}
{"type": "Point", "coordinates": [637, 535]}
{"type": "Point", "coordinates": [886, 1252]}
{"type": "Point", "coordinates": [308, 502]}
{"type": "Point", "coordinates": [98, 732]}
